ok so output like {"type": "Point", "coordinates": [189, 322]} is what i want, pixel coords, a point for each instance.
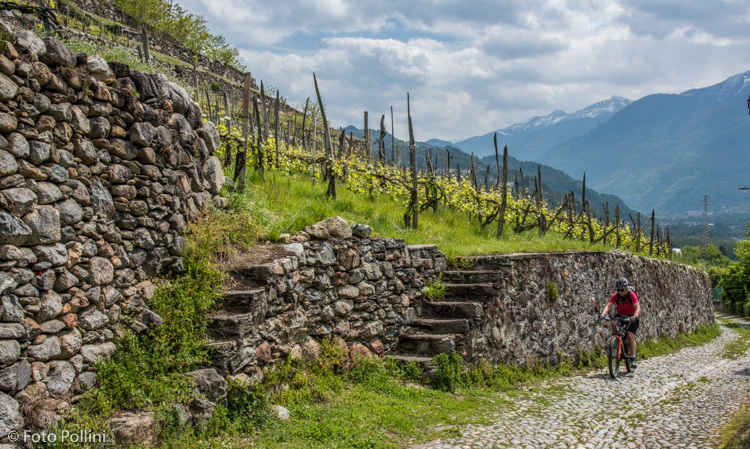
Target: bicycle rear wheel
{"type": "Point", "coordinates": [613, 356]}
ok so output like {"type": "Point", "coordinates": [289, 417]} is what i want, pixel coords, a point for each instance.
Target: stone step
{"type": "Point", "coordinates": [452, 309]}
{"type": "Point", "coordinates": [501, 263]}
{"type": "Point", "coordinates": [244, 298]}
{"type": "Point", "coordinates": [469, 290]}
{"type": "Point", "coordinates": [224, 324]}
{"type": "Point", "coordinates": [427, 344]}
{"type": "Point", "coordinates": [455, 326]}
{"type": "Point", "coordinates": [472, 276]}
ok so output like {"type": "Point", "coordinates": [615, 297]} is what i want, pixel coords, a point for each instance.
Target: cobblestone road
{"type": "Point", "coordinates": [675, 401]}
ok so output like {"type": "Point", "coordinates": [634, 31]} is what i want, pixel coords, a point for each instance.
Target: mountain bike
{"type": "Point", "coordinates": [618, 346]}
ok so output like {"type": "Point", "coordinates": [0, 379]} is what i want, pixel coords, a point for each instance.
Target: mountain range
{"type": "Point", "coordinates": [663, 151]}
{"type": "Point", "coordinates": [530, 139]}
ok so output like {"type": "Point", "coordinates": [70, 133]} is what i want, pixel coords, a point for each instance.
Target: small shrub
{"type": "Point", "coordinates": [552, 293]}
{"type": "Point", "coordinates": [435, 291]}
{"type": "Point", "coordinates": [247, 407]}
{"type": "Point", "coordinates": [448, 371]}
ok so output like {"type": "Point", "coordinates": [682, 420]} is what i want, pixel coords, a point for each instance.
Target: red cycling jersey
{"type": "Point", "coordinates": [626, 305]}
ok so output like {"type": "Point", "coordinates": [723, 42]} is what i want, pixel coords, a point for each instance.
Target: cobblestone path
{"type": "Point", "coordinates": [675, 401]}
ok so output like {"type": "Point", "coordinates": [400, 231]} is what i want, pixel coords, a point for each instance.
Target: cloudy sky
{"type": "Point", "coordinates": [471, 67]}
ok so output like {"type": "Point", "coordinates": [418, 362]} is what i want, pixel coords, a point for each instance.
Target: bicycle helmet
{"type": "Point", "coordinates": [621, 283]}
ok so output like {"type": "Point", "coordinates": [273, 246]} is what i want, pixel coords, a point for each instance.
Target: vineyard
{"type": "Point", "coordinates": [258, 138]}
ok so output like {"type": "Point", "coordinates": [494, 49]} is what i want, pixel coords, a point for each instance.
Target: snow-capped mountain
{"type": "Point", "coordinates": [529, 139]}
{"type": "Point", "coordinates": [666, 151]}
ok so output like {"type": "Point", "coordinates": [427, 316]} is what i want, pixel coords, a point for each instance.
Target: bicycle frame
{"type": "Point", "coordinates": [620, 338]}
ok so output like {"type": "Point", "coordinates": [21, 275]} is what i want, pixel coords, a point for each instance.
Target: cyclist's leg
{"type": "Point", "coordinates": [633, 344]}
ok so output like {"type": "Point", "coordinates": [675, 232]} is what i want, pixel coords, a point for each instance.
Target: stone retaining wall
{"type": "Point", "coordinates": [101, 168]}
{"type": "Point", "coordinates": [359, 290]}
{"type": "Point", "coordinates": [523, 324]}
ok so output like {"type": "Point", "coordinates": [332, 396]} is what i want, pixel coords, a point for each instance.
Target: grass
{"type": "Point", "coordinates": [286, 204]}
{"type": "Point", "coordinates": [666, 345]}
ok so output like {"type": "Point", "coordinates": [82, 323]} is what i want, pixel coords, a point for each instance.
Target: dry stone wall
{"type": "Point", "coordinates": [525, 323]}
{"type": "Point", "coordinates": [101, 169]}
{"type": "Point", "coordinates": [356, 289]}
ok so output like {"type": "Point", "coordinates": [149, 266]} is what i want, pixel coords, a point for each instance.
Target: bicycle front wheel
{"type": "Point", "coordinates": [613, 356]}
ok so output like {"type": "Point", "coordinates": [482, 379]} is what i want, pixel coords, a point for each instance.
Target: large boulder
{"type": "Point", "coordinates": [336, 227]}
{"type": "Point", "coordinates": [210, 384]}
{"type": "Point", "coordinates": [57, 53]}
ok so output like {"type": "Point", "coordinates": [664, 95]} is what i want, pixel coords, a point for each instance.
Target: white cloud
{"type": "Point", "coordinates": [475, 67]}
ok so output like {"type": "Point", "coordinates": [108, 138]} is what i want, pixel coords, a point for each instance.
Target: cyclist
{"type": "Point", "coordinates": [627, 305]}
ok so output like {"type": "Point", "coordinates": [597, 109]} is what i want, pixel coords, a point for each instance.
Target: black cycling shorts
{"type": "Point", "coordinates": [633, 325]}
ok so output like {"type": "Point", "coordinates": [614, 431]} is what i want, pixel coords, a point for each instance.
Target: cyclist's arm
{"type": "Point", "coordinates": [606, 308]}
{"type": "Point", "coordinates": [637, 309]}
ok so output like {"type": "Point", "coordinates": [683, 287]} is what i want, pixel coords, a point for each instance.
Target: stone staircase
{"type": "Point", "coordinates": [451, 322]}
{"type": "Point", "coordinates": [233, 325]}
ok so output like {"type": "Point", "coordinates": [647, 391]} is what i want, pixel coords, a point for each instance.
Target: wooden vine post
{"type": "Point", "coordinates": [393, 141]}
{"type": "Point", "coordinates": [276, 128]}
{"type": "Point", "coordinates": [304, 119]}
{"type": "Point", "coordinates": [331, 192]}
{"type": "Point", "coordinates": [381, 141]}
{"type": "Point", "coordinates": [504, 190]}
{"type": "Point", "coordinates": [228, 158]}
{"type": "Point", "coordinates": [413, 161]}
{"type": "Point", "coordinates": [241, 164]}
{"type": "Point", "coordinates": [651, 242]}
{"type": "Point", "coordinates": [146, 53]}
{"type": "Point", "coordinates": [258, 145]}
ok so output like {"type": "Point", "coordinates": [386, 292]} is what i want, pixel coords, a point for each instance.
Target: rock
{"type": "Point", "coordinates": [60, 377]}
{"type": "Point", "coordinates": [28, 41]}
{"type": "Point", "coordinates": [70, 212]}
{"type": "Point", "coordinates": [134, 428]}
{"type": "Point", "coordinates": [12, 310]}
{"type": "Point", "coordinates": [18, 146]}
{"type": "Point", "coordinates": [20, 200]}
{"type": "Point", "coordinates": [210, 384]}
{"type": "Point", "coordinates": [87, 380]}
{"type": "Point", "coordinates": [50, 307]}
{"type": "Point", "coordinates": [38, 152]}
{"type": "Point", "coordinates": [44, 223]}
{"type": "Point", "coordinates": [12, 230]}
{"type": "Point", "coordinates": [100, 128]}
{"type": "Point", "coordinates": [348, 259]}
{"type": "Point", "coordinates": [349, 291]}
{"type": "Point", "coordinates": [281, 412]}
{"type": "Point", "coordinates": [101, 200]}
{"type": "Point", "coordinates": [16, 376]}
{"type": "Point", "coordinates": [92, 319]}
{"type": "Point", "coordinates": [213, 174]}
{"type": "Point", "coordinates": [7, 283]}
{"type": "Point", "coordinates": [93, 353]}
{"type": "Point", "coordinates": [57, 53]}
{"type": "Point", "coordinates": [10, 415]}
{"type": "Point", "coordinates": [123, 149]}
{"type": "Point", "coordinates": [10, 351]}
{"type": "Point", "coordinates": [142, 133]}
{"type": "Point", "coordinates": [362, 231]}
{"type": "Point", "coordinates": [336, 227]}
{"type": "Point", "coordinates": [8, 164]}
{"type": "Point", "coordinates": [79, 121]}
{"type": "Point", "coordinates": [56, 255]}
{"type": "Point", "coordinates": [263, 353]}
{"type": "Point", "coordinates": [70, 343]}
{"type": "Point", "coordinates": [210, 136]}
{"type": "Point", "coordinates": [11, 330]}
{"type": "Point", "coordinates": [343, 307]}
{"type": "Point", "coordinates": [99, 69]}
{"type": "Point", "coordinates": [48, 193]}
{"type": "Point", "coordinates": [49, 349]}
{"type": "Point", "coordinates": [317, 232]}
{"type": "Point", "coordinates": [8, 89]}
{"type": "Point", "coordinates": [8, 122]}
